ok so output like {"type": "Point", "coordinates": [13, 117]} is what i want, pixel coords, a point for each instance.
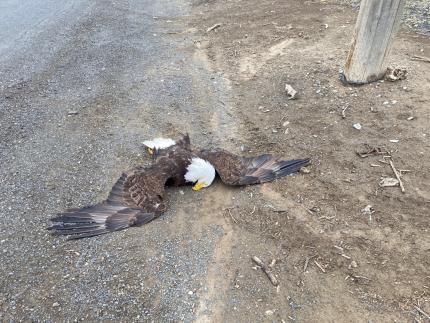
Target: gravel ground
{"type": "Point", "coordinates": [83, 84]}
{"type": "Point", "coordinates": [416, 14]}
{"type": "Point", "coordinates": [81, 87]}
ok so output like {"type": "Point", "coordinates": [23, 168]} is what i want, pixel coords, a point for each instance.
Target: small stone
{"type": "Point", "coordinates": [304, 170]}
{"type": "Point", "coordinates": [190, 292]}
{"type": "Point", "coordinates": [286, 123]}
{"type": "Point", "coordinates": [354, 264]}
{"type": "Point", "coordinates": [357, 126]}
{"type": "Point", "coordinates": [410, 118]}
{"type": "Point", "coordinates": [72, 113]}
{"type": "Point", "coordinates": [269, 312]}
{"type": "Point", "coordinates": [56, 304]}
{"type": "Point", "coordinates": [394, 140]}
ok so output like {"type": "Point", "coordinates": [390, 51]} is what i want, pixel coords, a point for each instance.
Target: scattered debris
{"type": "Point", "coordinates": [422, 312]}
{"type": "Point", "coordinates": [420, 58]}
{"type": "Point", "coordinates": [372, 151]}
{"type": "Point", "coordinates": [304, 170]}
{"type": "Point", "coordinates": [291, 93]}
{"type": "Point", "coordinates": [388, 182]}
{"type": "Point", "coordinates": [357, 126]}
{"type": "Point", "coordinates": [319, 266]}
{"type": "Point", "coordinates": [343, 112]}
{"type": "Point", "coordinates": [213, 27]}
{"type": "Point", "coordinates": [272, 263]}
{"type": "Point", "coordinates": [368, 211]}
{"type": "Point", "coordinates": [397, 173]}
{"type": "Point", "coordinates": [395, 74]}
{"type": "Point", "coordinates": [266, 270]}
{"type": "Point", "coordinates": [269, 312]}
{"type": "Point", "coordinates": [307, 262]}
{"type": "Point", "coordinates": [315, 209]}
{"type": "Point", "coordinates": [353, 264]}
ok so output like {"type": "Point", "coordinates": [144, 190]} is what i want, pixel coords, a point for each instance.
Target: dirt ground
{"type": "Point", "coordinates": [85, 84]}
{"type": "Point", "coordinates": [334, 262]}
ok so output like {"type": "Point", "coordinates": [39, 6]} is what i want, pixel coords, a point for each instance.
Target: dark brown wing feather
{"type": "Point", "coordinates": [137, 198]}
{"type": "Point", "coordinates": [236, 170]}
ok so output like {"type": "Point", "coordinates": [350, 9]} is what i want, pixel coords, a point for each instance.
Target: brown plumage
{"type": "Point", "coordinates": [236, 170]}
{"type": "Point", "coordinates": [138, 196]}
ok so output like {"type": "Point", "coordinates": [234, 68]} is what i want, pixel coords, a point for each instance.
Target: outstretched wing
{"type": "Point", "coordinates": [236, 170]}
{"type": "Point", "coordinates": [132, 201]}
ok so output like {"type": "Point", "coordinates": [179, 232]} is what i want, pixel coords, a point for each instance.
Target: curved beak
{"type": "Point", "coordinates": [150, 151]}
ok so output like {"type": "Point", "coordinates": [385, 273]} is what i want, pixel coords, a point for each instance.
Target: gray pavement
{"type": "Point", "coordinates": [82, 84]}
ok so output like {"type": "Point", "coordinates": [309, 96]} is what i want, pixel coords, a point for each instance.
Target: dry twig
{"type": "Point", "coordinates": [422, 312]}
{"type": "Point", "coordinates": [420, 58]}
{"type": "Point", "coordinates": [307, 262]}
{"type": "Point", "coordinates": [319, 266]}
{"type": "Point", "coordinates": [343, 112]}
{"type": "Point", "coordinates": [213, 27]}
{"type": "Point", "coordinates": [266, 270]}
{"type": "Point", "coordinates": [397, 176]}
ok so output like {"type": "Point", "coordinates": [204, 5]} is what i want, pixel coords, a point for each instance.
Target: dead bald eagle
{"type": "Point", "coordinates": [138, 196]}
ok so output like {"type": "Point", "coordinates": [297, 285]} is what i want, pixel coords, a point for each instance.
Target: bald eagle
{"type": "Point", "coordinates": [138, 196]}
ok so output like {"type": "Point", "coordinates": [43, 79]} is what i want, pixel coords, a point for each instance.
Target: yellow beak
{"type": "Point", "coordinates": [150, 151]}
{"type": "Point", "coordinates": [198, 186]}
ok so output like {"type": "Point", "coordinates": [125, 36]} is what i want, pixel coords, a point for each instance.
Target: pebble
{"type": "Point", "coordinates": [304, 170]}
{"type": "Point", "coordinates": [354, 264]}
{"type": "Point", "coordinates": [357, 126]}
{"type": "Point", "coordinates": [56, 304]}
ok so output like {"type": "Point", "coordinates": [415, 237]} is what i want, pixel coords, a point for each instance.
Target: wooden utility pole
{"type": "Point", "coordinates": [377, 24]}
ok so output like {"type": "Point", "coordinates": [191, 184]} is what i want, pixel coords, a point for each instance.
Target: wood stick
{"type": "Point", "coordinates": [213, 27]}
{"type": "Point", "coordinates": [307, 262]}
{"type": "Point", "coordinates": [422, 312]}
{"type": "Point", "coordinates": [266, 270]}
{"type": "Point", "coordinates": [420, 58]}
{"type": "Point", "coordinates": [319, 266]}
{"type": "Point", "coordinates": [397, 176]}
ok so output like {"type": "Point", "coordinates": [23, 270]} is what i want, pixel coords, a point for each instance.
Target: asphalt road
{"type": "Point", "coordinates": [82, 84]}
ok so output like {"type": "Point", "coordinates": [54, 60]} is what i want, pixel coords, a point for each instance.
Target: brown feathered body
{"type": "Point", "coordinates": [138, 196]}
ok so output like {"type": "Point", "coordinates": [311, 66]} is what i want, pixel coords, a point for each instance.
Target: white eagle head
{"type": "Point", "coordinates": [158, 143]}
{"type": "Point", "coordinates": [200, 172]}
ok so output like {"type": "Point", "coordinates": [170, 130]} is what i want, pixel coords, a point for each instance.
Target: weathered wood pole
{"type": "Point", "coordinates": [377, 24]}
